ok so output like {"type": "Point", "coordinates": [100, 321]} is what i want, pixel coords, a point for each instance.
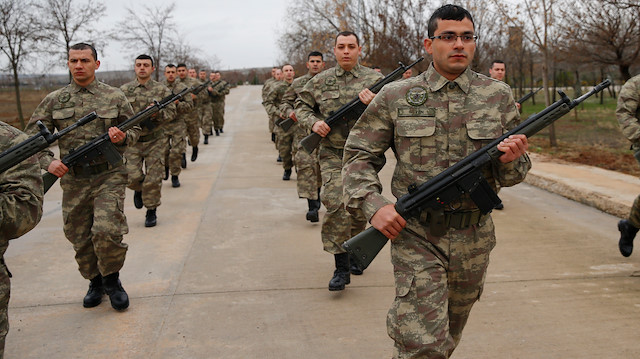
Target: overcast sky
{"type": "Point", "coordinates": [240, 33]}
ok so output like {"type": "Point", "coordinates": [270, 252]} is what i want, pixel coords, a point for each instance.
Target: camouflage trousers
{"type": "Point", "coordinates": [150, 155]}
{"type": "Point", "coordinates": [218, 114]}
{"type": "Point", "coordinates": [206, 119]}
{"type": "Point", "coordinates": [634, 216]}
{"type": "Point", "coordinates": [338, 225]}
{"type": "Point", "coordinates": [308, 179]}
{"type": "Point", "coordinates": [193, 127]}
{"type": "Point", "coordinates": [284, 144]}
{"type": "Point", "coordinates": [175, 146]}
{"type": "Point", "coordinates": [94, 220]}
{"type": "Point", "coordinates": [438, 279]}
{"type": "Point", "coordinates": [5, 291]}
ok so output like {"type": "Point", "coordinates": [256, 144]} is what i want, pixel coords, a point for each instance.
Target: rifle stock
{"type": "Point", "coordinates": [37, 143]}
{"type": "Point", "coordinates": [286, 123]}
{"type": "Point", "coordinates": [450, 184]}
{"type": "Point", "coordinates": [355, 107]}
{"type": "Point", "coordinates": [102, 146]}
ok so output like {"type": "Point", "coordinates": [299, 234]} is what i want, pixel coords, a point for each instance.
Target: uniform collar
{"type": "Point", "coordinates": [146, 85]}
{"type": "Point", "coordinates": [355, 71]}
{"type": "Point", "coordinates": [91, 88]}
{"type": "Point", "coordinates": [436, 82]}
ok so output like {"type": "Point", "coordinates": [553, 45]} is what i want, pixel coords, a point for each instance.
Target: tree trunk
{"type": "Point", "coordinates": [16, 86]}
{"type": "Point", "coordinates": [553, 142]}
{"type": "Point", "coordinates": [577, 89]}
{"type": "Point", "coordinates": [624, 70]}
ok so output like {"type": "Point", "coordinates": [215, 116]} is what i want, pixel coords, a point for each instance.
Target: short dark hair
{"type": "Point", "coordinates": [315, 53]}
{"type": "Point", "coordinates": [181, 65]}
{"type": "Point", "coordinates": [170, 66]}
{"type": "Point", "coordinates": [145, 57]}
{"type": "Point", "coordinates": [447, 12]}
{"type": "Point", "coordinates": [348, 33]}
{"type": "Point", "coordinates": [85, 46]}
{"type": "Point", "coordinates": [496, 62]}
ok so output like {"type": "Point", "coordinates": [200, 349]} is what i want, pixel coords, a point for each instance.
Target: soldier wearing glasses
{"type": "Point", "coordinates": [431, 122]}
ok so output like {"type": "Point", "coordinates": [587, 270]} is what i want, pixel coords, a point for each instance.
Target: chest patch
{"type": "Point", "coordinates": [416, 96]}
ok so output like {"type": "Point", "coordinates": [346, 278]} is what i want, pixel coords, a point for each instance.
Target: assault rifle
{"type": "Point", "coordinates": [353, 109]}
{"type": "Point", "coordinates": [196, 89]}
{"type": "Point", "coordinates": [37, 143]}
{"type": "Point", "coordinates": [528, 96]}
{"type": "Point", "coordinates": [102, 146]}
{"type": "Point", "coordinates": [465, 177]}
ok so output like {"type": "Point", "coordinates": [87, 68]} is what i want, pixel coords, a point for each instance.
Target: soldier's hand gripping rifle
{"type": "Point", "coordinates": [353, 109]}
{"type": "Point", "coordinates": [463, 177]}
{"type": "Point", "coordinates": [196, 89]}
{"type": "Point", "coordinates": [37, 143]}
{"type": "Point", "coordinates": [102, 146]}
{"type": "Point", "coordinates": [528, 96]}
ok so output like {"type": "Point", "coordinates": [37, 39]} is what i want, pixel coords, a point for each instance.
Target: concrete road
{"type": "Point", "coordinates": [233, 270]}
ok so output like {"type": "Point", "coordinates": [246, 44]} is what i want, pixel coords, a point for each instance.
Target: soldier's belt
{"type": "Point", "coordinates": [82, 171]}
{"type": "Point", "coordinates": [440, 222]}
{"type": "Point", "coordinates": [152, 136]}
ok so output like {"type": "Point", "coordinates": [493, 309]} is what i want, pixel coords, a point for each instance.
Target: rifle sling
{"type": "Point", "coordinates": [439, 222]}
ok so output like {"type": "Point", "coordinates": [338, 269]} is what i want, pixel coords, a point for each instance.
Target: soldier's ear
{"type": "Point", "coordinates": [428, 45]}
{"type": "Point", "coordinates": [97, 64]}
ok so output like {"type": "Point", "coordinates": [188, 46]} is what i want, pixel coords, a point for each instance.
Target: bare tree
{"type": "Point", "coordinates": [65, 20]}
{"type": "Point", "coordinates": [19, 33]}
{"type": "Point", "coordinates": [149, 29]}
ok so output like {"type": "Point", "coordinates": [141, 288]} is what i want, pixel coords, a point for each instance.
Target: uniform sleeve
{"type": "Point", "coordinates": [42, 113]}
{"type": "Point", "coordinates": [21, 196]}
{"type": "Point", "coordinates": [288, 101]}
{"type": "Point", "coordinates": [364, 157]}
{"type": "Point", "coordinates": [305, 104]}
{"type": "Point", "coordinates": [169, 112]}
{"type": "Point", "coordinates": [270, 103]}
{"type": "Point", "coordinates": [125, 112]}
{"type": "Point", "coordinates": [627, 110]}
{"type": "Point", "coordinates": [514, 172]}
{"type": "Point", "coordinates": [185, 105]}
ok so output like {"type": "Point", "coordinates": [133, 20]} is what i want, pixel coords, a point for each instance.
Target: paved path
{"type": "Point", "coordinates": [234, 271]}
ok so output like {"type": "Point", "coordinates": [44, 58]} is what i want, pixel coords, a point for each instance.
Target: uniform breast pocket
{"type": "Point", "coordinates": [64, 117]}
{"type": "Point", "coordinates": [416, 142]}
{"type": "Point", "coordinates": [484, 130]}
{"type": "Point", "coordinates": [330, 95]}
{"type": "Point", "coordinates": [110, 117]}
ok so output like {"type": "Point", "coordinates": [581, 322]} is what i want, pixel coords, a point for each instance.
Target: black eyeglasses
{"type": "Point", "coordinates": [451, 38]}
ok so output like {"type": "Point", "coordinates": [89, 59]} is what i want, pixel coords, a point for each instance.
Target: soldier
{"type": "Point", "coordinates": [273, 101]}
{"type": "Point", "coordinates": [308, 176]}
{"type": "Point", "coordinates": [276, 74]}
{"type": "Point", "coordinates": [324, 93]}
{"type": "Point", "coordinates": [190, 118]}
{"type": "Point", "coordinates": [176, 130]}
{"type": "Point", "coordinates": [93, 193]}
{"type": "Point", "coordinates": [206, 112]}
{"type": "Point", "coordinates": [407, 74]}
{"type": "Point", "coordinates": [219, 90]}
{"type": "Point", "coordinates": [21, 199]}
{"type": "Point", "coordinates": [628, 115]}
{"type": "Point", "coordinates": [149, 150]}
{"type": "Point", "coordinates": [431, 122]}
{"type": "Point", "coordinates": [498, 71]}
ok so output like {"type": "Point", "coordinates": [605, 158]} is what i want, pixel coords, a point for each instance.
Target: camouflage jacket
{"type": "Point", "coordinates": [191, 82]}
{"type": "Point", "coordinates": [219, 90]}
{"type": "Point", "coordinates": [141, 96]}
{"type": "Point", "coordinates": [274, 99]}
{"type": "Point", "coordinates": [266, 86]}
{"type": "Point", "coordinates": [329, 90]}
{"type": "Point", "coordinates": [186, 104]}
{"type": "Point", "coordinates": [65, 106]}
{"type": "Point", "coordinates": [289, 97]}
{"type": "Point", "coordinates": [21, 193]}
{"type": "Point", "coordinates": [430, 123]}
{"type": "Point", "coordinates": [628, 110]}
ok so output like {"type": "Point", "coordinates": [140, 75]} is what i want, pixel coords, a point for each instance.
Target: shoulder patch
{"type": "Point", "coordinates": [416, 96]}
{"type": "Point", "coordinates": [330, 81]}
{"type": "Point", "coordinates": [64, 96]}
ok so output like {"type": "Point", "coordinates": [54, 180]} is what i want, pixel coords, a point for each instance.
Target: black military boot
{"type": "Point", "coordinates": [166, 172]}
{"type": "Point", "coordinates": [221, 130]}
{"type": "Point", "coordinates": [151, 218]}
{"type": "Point", "coordinates": [206, 139]}
{"type": "Point", "coordinates": [95, 293]}
{"type": "Point", "coordinates": [217, 132]}
{"type": "Point", "coordinates": [627, 234]}
{"type": "Point", "coordinates": [279, 159]}
{"type": "Point", "coordinates": [113, 287]}
{"type": "Point", "coordinates": [175, 182]}
{"type": "Point", "coordinates": [287, 175]}
{"type": "Point", "coordinates": [312, 214]}
{"type": "Point", "coordinates": [137, 199]}
{"type": "Point", "coordinates": [183, 162]}
{"type": "Point", "coordinates": [194, 154]}
{"type": "Point", "coordinates": [273, 137]}
{"type": "Point", "coordinates": [341, 275]}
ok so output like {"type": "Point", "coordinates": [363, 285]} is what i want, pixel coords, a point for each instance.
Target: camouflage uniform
{"type": "Point", "coordinates": [308, 179]}
{"type": "Point", "coordinates": [176, 129]}
{"type": "Point", "coordinates": [191, 118]}
{"type": "Point", "coordinates": [205, 113]}
{"type": "Point", "coordinates": [327, 92]}
{"type": "Point", "coordinates": [20, 210]}
{"type": "Point", "coordinates": [432, 123]}
{"type": "Point", "coordinates": [628, 113]}
{"type": "Point", "coordinates": [151, 144]}
{"type": "Point", "coordinates": [265, 90]}
{"type": "Point", "coordinates": [93, 197]}
{"type": "Point", "coordinates": [284, 139]}
{"type": "Point", "coordinates": [220, 91]}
